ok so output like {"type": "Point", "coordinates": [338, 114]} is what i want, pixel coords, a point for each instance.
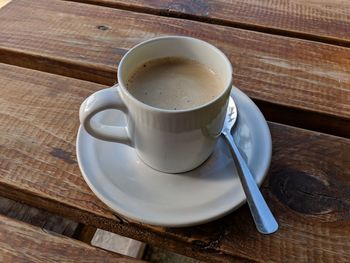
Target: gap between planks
{"type": "Point", "coordinates": [63, 226]}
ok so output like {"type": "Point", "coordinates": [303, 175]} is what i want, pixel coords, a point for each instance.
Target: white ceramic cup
{"type": "Point", "coordinates": [170, 141]}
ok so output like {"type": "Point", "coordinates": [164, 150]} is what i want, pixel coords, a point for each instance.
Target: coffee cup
{"type": "Point", "coordinates": [169, 139]}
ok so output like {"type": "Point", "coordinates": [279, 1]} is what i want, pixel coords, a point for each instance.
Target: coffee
{"type": "Point", "coordinates": [174, 83]}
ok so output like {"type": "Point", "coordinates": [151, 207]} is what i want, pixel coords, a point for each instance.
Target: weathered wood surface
{"type": "Point", "coordinates": [119, 244]}
{"type": "Point", "coordinates": [320, 20]}
{"type": "Point", "coordinates": [86, 41]}
{"type": "Point", "coordinates": [307, 187]}
{"type": "Point", "coordinates": [21, 242]}
{"type": "Point", "coordinates": [37, 217]}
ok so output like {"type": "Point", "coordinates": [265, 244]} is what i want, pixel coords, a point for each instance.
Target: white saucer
{"type": "Point", "coordinates": [131, 188]}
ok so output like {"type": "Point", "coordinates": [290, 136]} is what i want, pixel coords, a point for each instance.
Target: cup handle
{"type": "Point", "coordinates": [99, 101]}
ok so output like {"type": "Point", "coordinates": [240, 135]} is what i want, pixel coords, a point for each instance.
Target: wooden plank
{"type": "Point", "coordinates": [307, 187]}
{"type": "Point", "coordinates": [319, 20]}
{"type": "Point", "coordinates": [21, 242]}
{"type": "Point", "coordinates": [37, 217]}
{"type": "Point", "coordinates": [119, 244]}
{"type": "Point", "coordinates": [87, 42]}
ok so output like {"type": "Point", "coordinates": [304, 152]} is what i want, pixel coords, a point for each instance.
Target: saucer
{"type": "Point", "coordinates": [131, 188]}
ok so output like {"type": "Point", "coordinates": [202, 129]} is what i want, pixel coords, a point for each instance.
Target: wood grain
{"type": "Point", "coordinates": [37, 217]}
{"type": "Point", "coordinates": [119, 244]}
{"type": "Point", "coordinates": [87, 42]}
{"type": "Point", "coordinates": [319, 20]}
{"type": "Point", "coordinates": [307, 187]}
{"type": "Point", "coordinates": [21, 242]}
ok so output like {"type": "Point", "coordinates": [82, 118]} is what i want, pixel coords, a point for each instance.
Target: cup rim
{"type": "Point", "coordinates": [152, 108]}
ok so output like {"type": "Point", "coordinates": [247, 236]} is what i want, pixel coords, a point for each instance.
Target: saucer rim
{"type": "Point", "coordinates": [134, 217]}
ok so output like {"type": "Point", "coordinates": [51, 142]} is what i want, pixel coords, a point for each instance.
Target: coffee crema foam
{"type": "Point", "coordinates": [174, 83]}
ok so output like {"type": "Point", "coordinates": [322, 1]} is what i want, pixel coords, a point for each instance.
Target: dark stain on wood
{"type": "Point", "coordinates": [102, 27]}
{"type": "Point", "coordinates": [64, 155]}
{"type": "Point", "coordinates": [199, 7]}
{"type": "Point", "coordinates": [210, 245]}
{"type": "Point", "coordinates": [305, 193]}
{"type": "Point", "coordinates": [310, 176]}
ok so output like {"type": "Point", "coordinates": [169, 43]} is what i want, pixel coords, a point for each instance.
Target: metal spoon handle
{"type": "Point", "coordinates": [263, 218]}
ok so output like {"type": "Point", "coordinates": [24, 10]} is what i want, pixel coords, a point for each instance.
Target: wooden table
{"type": "Point", "coordinates": [292, 57]}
